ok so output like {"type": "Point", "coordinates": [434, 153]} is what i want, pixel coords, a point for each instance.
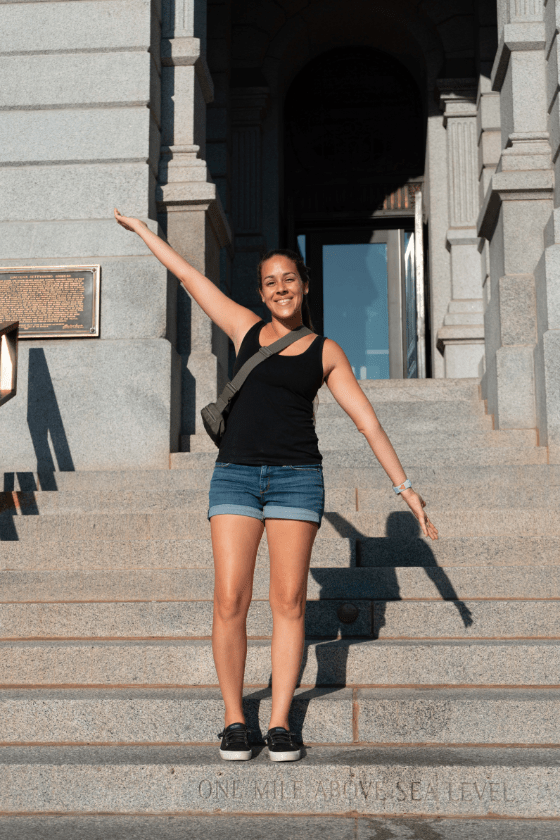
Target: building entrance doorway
{"type": "Point", "coordinates": [354, 156]}
{"type": "Point", "coordinates": [364, 294]}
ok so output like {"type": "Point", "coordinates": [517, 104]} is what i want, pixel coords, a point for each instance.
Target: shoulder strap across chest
{"type": "Point", "coordinates": [263, 353]}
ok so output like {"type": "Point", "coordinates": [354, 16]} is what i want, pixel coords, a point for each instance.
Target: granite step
{"type": "Point", "coordinates": [422, 390]}
{"type": "Point", "coordinates": [170, 619]}
{"type": "Point", "coordinates": [359, 662]}
{"type": "Point", "coordinates": [328, 552]}
{"type": "Point", "coordinates": [274, 827]}
{"type": "Point", "coordinates": [197, 473]}
{"type": "Point", "coordinates": [340, 499]}
{"type": "Point", "coordinates": [441, 414]}
{"type": "Point", "coordinates": [361, 525]}
{"type": "Point", "coordinates": [411, 781]}
{"type": "Point", "coordinates": [344, 617]}
{"type": "Point", "coordinates": [429, 582]}
{"type": "Point", "coordinates": [459, 716]}
{"type": "Point", "coordinates": [409, 455]}
{"type": "Point", "coordinates": [191, 522]}
{"type": "Point", "coordinates": [340, 433]}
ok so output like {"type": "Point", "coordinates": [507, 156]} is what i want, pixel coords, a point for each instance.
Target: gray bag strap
{"type": "Point", "coordinates": [263, 353]}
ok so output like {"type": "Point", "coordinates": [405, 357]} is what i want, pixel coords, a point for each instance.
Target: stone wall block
{"type": "Point", "coordinates": [90, 405]}
{"type": "Point", "coordinates": [466, 268]}
{"type": "Point", "coordinates": [516, 387]}
{"type": "Point", "coordinates": [490, 148]}
{"type": "Point", "coordinates": [529, 92]}
{"type": "Point", "coordinates": [489, 112]}
{"type": "Point", "coordinates": [52, 241]}
{"type": "Point", "coordinates": [30, 81]}
{"type": "Point", "coordinates": [87, 25]}
{"type": "Point", "coordinates": [518, 309]}
{"type": "Point", "coordinates": [524, 222]}
{"type": "Point", "coordinates": [74, 191]}
{"type": "Point", "coordinates": [73, 135]}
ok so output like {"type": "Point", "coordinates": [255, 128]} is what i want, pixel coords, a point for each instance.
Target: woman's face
{"type": "Point", "coordinates": [282, 289]}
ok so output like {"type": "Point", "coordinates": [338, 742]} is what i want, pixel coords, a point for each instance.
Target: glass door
{"type": "Point", "coordinates": [363, 295]}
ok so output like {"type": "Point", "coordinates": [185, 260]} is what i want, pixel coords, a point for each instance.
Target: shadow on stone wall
{"type": "Point", "coordinates": [44, 421]}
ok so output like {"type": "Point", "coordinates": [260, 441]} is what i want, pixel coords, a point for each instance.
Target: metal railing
{"type": "Point", "coordinates": [9, 331]}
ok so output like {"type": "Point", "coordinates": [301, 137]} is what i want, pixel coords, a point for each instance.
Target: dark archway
{"type": "Point", "coordinates": [355, 133]}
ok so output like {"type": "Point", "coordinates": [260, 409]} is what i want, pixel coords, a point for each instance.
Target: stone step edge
{"type": "Point", "coordinates": [452, 781]}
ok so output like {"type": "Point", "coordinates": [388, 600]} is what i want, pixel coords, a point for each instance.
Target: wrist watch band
{"type": "Point", "coordinates": [403, 486]}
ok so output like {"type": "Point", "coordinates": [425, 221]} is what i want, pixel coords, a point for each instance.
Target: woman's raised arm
{"type": "Point", "coordinates": [231, 317]}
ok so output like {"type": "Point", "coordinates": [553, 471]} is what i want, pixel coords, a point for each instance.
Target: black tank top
{"type": "Point", "coordinates": [270, 420]}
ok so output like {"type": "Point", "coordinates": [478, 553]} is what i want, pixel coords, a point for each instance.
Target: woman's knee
{"type": "Point", "coordinates": [288, 605]}
{"type": "Point", "coordinates": [231, 606]}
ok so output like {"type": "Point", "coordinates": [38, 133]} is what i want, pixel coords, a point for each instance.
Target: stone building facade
{"type": "Point", "coordinates": [234, 126]}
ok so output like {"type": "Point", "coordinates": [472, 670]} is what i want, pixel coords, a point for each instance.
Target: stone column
{"type": "Point", "coordinates": [247, 111]}
{"type": "Point", "coordinates": [461, 338]}
{"type": "Point", "coordinates": [517, 205]}
{"type": "Point", "coordinates": [196, 224]}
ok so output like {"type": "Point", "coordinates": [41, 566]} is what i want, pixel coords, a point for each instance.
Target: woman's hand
{"type": "Point", "coordinates": [128, 222]}
{"type": "Point", "coordinates": [416, 503]}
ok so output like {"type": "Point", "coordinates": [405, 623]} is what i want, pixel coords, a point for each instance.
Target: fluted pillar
{"type": "Point", "coordinates": [461, 338]}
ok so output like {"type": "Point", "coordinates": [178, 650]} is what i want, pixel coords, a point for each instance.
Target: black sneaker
{"type": "Point", "coordinates": [281, 745]}
{"type": "Point", "coordinates": [235, 743]}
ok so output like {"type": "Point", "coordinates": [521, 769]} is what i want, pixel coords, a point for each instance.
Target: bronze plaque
{"type": "Point", "coordinates": [51, 302]}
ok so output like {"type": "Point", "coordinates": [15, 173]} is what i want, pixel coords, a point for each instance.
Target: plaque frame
{"type": "Point", "coordinates": [8, 360]}
{"type": "Point", "coordinates": [96, 299]}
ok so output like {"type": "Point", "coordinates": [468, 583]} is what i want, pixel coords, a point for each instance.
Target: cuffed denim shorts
{"type": "Point", "coordinates": [268, 492]}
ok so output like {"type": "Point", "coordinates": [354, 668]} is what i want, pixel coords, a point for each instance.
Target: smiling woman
{"type": "Point", "coordinates": [269, 473]}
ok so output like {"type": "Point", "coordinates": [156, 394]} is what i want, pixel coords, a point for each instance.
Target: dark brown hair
{"type": "Point", "coordinates": [303, 272]}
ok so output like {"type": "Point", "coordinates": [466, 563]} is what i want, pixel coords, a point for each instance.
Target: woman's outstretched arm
{"type": "Point", "coordinates": [231, 317]}
{"type": "Point", "coordinates": [345, 389]}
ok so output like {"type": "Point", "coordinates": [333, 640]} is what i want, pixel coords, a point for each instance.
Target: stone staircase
{"type": "Point", "coordinates": [431, 680]}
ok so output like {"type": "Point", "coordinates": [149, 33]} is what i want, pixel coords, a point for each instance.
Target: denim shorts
{"type": "Point", "coordinates": [268, 492]}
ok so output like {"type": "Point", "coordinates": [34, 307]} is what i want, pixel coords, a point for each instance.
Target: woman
{"type": "Point", "coordinates": [269, 474]}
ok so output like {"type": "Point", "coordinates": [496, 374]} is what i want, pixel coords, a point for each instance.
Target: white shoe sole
{"type": "Point", "coordinates": [237, 755]}
{"type": "Point", "coordinates": [292, 755]}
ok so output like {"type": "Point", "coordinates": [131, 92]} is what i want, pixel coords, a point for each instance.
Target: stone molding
{"type": "Point", "coordinates": [459, 334]}
{"type": "Point", "coordinates": [521, 185]}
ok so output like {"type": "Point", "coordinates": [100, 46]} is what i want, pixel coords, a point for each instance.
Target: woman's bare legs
{"type": "Point", "coordinates": [235, 540]}
{"type": "Point", "coordinates": [289, 542]}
